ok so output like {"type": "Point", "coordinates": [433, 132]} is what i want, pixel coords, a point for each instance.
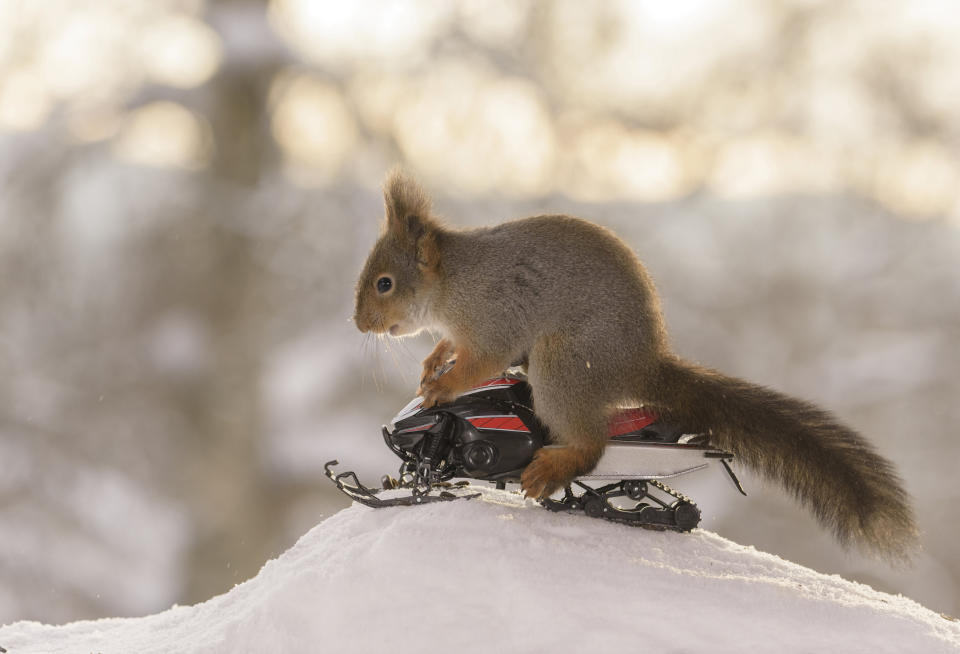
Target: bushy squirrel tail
{"type": "Point", "coordinates": [829, 468]}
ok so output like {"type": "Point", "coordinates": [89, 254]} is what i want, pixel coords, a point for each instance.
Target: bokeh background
{"type": "Point", "coordinates": [188, 190]}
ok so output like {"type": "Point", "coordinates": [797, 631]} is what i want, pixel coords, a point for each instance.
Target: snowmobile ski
{"type": "Point", "coordinates": [348, 483]}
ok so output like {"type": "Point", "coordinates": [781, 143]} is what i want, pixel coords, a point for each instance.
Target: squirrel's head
{"type": "Point", "coordinates": [393, 291]}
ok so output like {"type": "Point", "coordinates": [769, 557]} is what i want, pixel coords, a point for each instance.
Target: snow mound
{"type": "Point", "coordinates": [500, 574]}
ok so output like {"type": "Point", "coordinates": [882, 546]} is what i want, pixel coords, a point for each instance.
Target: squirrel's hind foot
{"type": "Point", "coordinates": [554, 468]}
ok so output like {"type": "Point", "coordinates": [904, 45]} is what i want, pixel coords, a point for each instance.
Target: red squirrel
{"type": "Point", "coordinates": [572, 301]}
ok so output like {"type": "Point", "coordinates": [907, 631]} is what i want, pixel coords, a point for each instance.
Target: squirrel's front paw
{"type": "Point", "coordinates": [437, 363]}
{"type": "Point", "coordinates": [435, 391]}
{"type": "Point", "coordinates": [433, 370]}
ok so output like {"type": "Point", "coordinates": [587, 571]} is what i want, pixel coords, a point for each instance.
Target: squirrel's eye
{"type": "Point", "coordinates": [384, 284]}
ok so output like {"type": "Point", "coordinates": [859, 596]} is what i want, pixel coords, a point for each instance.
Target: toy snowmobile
{"type": "Point", "coordinates": [491, 433]}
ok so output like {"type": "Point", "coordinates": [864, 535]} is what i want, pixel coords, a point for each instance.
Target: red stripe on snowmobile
{"type": "Point", "coordinates": [503, 423]}
{"type": "Point", "coordinates": [630, 420]}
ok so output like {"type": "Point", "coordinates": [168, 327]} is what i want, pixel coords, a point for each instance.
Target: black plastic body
{"type": "Point", "coordinates": [491, 432]}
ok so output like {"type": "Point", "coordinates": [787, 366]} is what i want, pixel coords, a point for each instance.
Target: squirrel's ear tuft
{"type": "Point", "coordinates": [408, 216]}
{"type": "Point", "coordinates": [407, 205]}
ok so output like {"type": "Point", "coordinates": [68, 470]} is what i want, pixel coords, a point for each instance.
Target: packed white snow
{"type": "Point", "coordinates": [499, 574]}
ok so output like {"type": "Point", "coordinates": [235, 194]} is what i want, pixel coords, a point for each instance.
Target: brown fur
{"type": "Point", "coordinates": [573, 301]}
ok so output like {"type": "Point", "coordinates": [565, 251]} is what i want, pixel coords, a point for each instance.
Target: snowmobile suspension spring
{"type": "Point", "coordinates": [431, 446]}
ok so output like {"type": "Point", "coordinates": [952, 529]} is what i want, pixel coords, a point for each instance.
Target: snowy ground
{"type": "Point", "coordinates": [500, 574]}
